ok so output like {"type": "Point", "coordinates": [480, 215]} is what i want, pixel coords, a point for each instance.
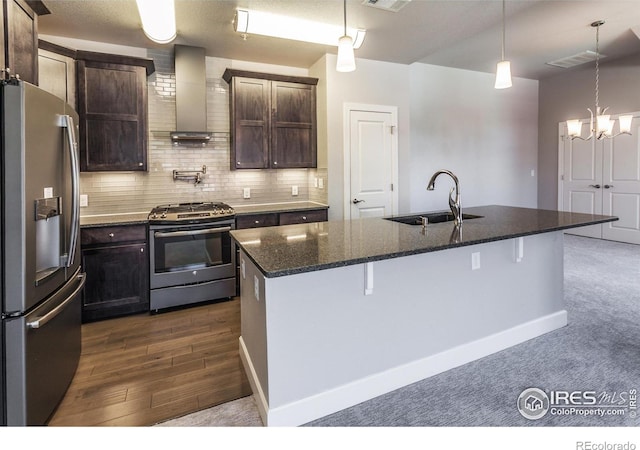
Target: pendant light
{"type": "Point", "coordinates": [346, 59]}
{"type": "Point", "coordinates": [503, 70]}
{"type": "Point", "coordinates": [603, 125]}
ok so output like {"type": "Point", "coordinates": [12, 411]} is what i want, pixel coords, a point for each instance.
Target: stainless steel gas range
{"type": "Point", "coordinates": [192, 258]}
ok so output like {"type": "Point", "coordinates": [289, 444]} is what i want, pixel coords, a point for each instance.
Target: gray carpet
{"type": "Point", "coordinates": [598, 351]}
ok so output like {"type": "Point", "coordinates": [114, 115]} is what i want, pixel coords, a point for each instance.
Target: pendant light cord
{"type": "Point", "coordinates": [597, 66]}
{"type": "Point", "coordinates": [345, 17]}
{"type": "Point", "coordinates": [503, 28]}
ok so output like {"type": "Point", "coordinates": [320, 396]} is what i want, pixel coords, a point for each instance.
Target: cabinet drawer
{"type": "Point", "coordinates": [319, 215]}
{"type": "Point", "coordinates": [257, 220]}
{"type": "Point", "coordinates": [113, 234]}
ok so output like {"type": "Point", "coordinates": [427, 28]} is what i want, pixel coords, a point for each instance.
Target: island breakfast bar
{"type": "Point", "coordinates": [336, 313]}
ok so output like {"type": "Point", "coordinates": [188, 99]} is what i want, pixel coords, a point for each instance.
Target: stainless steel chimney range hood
{"type": "Point", "coordinates": [191, 96]}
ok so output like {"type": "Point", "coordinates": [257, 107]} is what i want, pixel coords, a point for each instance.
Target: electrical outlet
{"type": "Point", "coordinates": [475, 261]}
{"type": "Point", "coordinates": [246, 193]}
{"type": "Point", "coordinates": [321, 183]}
{"type": "Point", "coordinates": [315, 182]}
{"type": "Point", "coordinates": [84, 200]}
{"type": "Point", "coordinates": [533, 172]}
{"type": "Point", "coordinates": [294, 190]}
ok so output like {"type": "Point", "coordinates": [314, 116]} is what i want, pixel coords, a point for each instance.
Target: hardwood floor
{"type": "Point", "coordinates": [144, 369]}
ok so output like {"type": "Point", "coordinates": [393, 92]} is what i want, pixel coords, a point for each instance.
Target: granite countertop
{"type": "Point", "coordinates": [99, 220]}
{"type": "Point", "coordinates": [291, 249]}
{"type": "Point", "coordinates": [266, 208]}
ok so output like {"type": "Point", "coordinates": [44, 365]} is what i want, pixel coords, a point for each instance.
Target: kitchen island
{"type": "Point", "coordinates": [339, 312]}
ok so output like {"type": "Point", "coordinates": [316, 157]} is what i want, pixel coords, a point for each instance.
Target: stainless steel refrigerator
{"type": "Point", "coordinates": [41, 279]}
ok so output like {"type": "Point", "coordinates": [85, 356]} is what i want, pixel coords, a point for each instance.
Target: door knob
{"type": "Point", "coordinates": [607, 186]}
{"type": "Point", "coordinates": [597, 186]}
{"type": "Point", "coordinates": [356, 201]}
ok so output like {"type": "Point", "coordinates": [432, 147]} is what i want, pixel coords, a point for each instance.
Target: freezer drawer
{"type": "Point", "coordinates": [42, 353]}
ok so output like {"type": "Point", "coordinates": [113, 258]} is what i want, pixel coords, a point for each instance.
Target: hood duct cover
{"type": "Point", "coordinates": [191, 95]}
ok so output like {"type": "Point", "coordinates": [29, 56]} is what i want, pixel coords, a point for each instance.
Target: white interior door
{"type": "Point", "coordinates": [370, 161]}
{"type": "Point", "coordinates": [603, 177]}
{"type": "Point", "coordinates": [582, 180]}
{"type": "Point", "coordinates": [621, 186]}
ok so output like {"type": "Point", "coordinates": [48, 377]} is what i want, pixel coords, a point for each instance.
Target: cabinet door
{"type": "Point", "coordinates": [21, 46]}
{"type": "Point", "coordinates": [293, 126]}
{"type": "Point", "coordinates": [117, 281]}
{"type": "Point", "coordinates": [112, 104]}
{"type": "Point", "coordinates": [57, 75]}
{"type": "Point", "coordinates": [250, 106]}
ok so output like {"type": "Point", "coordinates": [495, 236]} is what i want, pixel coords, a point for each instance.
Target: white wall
{"type": "Point", "coordinates": [487, 137]}
{"type": "Point", "coordinates": [373, 82]}
{"type": "Point", "coordinates": [447, 119]}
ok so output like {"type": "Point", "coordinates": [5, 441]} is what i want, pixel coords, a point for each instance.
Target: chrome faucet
{"type": "Point", "coordinates": [454, 203]}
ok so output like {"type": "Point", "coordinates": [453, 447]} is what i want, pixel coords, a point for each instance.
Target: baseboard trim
{"type": "Point", "coordinates": [258, 393]}
{"type": "Point", "coordinates": [325, 403]}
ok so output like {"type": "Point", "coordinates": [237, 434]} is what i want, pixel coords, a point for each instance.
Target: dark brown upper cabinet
{"type": "Point", "coordinates": [273, 120]}
{"type": "Point", "coordinates": [20, 39]}
{"type": "Point", "coordinates": [112, 105]}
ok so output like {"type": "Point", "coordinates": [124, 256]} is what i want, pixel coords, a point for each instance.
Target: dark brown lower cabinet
{"type": "Point", "coordinates": [116, 263]}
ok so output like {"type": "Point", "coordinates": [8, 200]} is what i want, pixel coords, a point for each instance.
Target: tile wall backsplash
{"type": "Point", "coordinates": [120, 192]}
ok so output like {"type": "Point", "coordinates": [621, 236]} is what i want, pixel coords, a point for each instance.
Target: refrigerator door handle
{"type": "Point", "coordinates": [41, 321]}
{"type": "Point", "coordinates": [68, 125]}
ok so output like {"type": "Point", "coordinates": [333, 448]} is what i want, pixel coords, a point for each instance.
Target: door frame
{"type": "Point", "coordinates": [346, 137]}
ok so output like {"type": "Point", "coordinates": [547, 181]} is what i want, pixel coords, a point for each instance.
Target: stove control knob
{"type": "Point", "coordinates": [154, 216]}
{"type": "Point", "coordinates": [163, 216]}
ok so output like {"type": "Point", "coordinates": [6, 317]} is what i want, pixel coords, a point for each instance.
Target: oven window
{"type": "Point", "coordinates": [191, 249]}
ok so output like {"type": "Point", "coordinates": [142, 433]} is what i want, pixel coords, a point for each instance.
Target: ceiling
{"type": "Point", "coordinates": [462, 34]}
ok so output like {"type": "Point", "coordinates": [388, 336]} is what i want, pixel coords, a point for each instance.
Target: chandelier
{"type": "Point", "coordinates": [603, 125]}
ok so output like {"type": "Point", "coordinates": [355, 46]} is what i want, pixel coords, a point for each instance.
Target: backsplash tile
{"type": "Point", "coordinates": [122, 192]}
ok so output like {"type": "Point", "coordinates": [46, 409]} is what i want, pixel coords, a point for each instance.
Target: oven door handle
{"type": "Point", "coordinates": [163, 234]}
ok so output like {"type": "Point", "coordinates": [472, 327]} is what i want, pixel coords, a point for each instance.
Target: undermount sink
{"type": "Point", "coordinates": [416, 219]}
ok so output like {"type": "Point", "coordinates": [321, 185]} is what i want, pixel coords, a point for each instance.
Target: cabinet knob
{"type": "Point", "coordinates": [257, 222]}
{"type": "Point", "coordinates": [304, 217]}
{"type": "Point", "coordinates": [142, 250]}
{"type": "Point", "coordinates": [238, 163]}
{"type": "Point", "coordinates": [111, 235]}
{"type": "Point", "coordinates": [140, 164]}
{"type": "Point", "coordinates": [275, 163]}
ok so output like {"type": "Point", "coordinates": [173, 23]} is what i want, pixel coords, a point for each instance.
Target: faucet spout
{"type": "Point", "coordinates": [454, 202]}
